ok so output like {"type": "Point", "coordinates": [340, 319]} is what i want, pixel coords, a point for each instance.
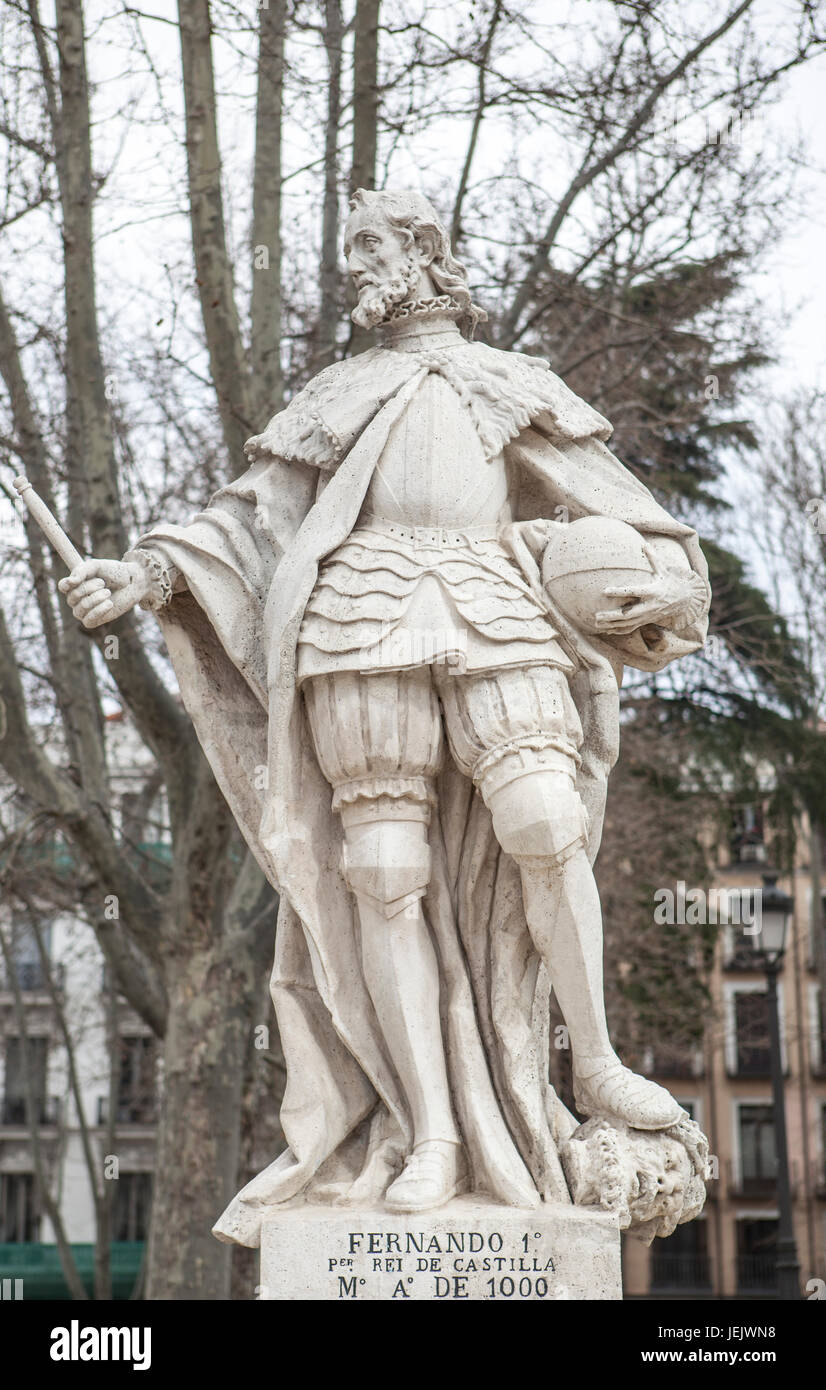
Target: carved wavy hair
{"type": "Point", "coordinates": [412, 215]}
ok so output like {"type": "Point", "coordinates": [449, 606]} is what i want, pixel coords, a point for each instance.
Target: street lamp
{"type": "Point", "coordinates": [769, 944]}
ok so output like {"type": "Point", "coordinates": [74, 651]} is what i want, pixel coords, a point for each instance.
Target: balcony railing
{"type": "Point", "coordinates": [677, 1064]}
{"type": "Point", "coordinates": [756, 1273]}
{"type": "Point", "coordinates": [684, 1272]}
{"type": "Point", "coordinates": [754, 1185]}
{"type": "Point", "coordinates": [13, 1110]}
{"type": "Point", "coordinates": [752, 1061]}
{"type": "Point", "coordinates": [760, 1185]}
{"type": "Point", "coordinates": [143, 1112]}
{"type": "Point", "coordinates": [674, 1059]}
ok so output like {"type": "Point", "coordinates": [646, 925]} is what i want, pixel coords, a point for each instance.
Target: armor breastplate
{"type": "Point", "coordinates": [433, 470]}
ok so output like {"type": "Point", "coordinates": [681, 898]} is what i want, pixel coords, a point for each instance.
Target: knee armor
{"type": "Point", "coordinates": [386, 856]}
{"type": "Point", "coordinates": [539, 817]}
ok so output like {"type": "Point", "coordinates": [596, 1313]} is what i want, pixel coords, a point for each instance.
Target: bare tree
{"type": "Point", "coordinates": [329, 279]}
{"type": "Point", "coordinates": [365, 94]}
{"type": "Point", "coordinates": [213, 270]}
{"type": "Point", "coordinates": [267, 378]}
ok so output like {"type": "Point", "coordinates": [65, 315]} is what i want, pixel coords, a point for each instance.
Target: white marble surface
{"type": "Point", "coordinates": [430, 819]}
{"type": "Point", "coordinates": [468, 1250]}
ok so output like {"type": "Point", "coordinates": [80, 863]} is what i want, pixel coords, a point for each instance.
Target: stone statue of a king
{"type": "Point", "coordinates": [400, 635]}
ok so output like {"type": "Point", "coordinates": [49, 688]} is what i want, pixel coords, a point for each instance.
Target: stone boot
{"type": "Point", "coordinates": [434, 1172]}
{"type": "Point", "coordinates": [613, 1089]}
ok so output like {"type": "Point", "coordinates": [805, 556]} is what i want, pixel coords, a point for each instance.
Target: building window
{"type": "Point", "coordinates": [19, 1211]}
{"type": "Point", "coordinates": [16, 1090]}
{"type": "Point", "coordinates": [136, 1081]}
{"type": "Point", "coordinates": [25, 967]}
{"type": "Point", "coordinates": [758, 1156]}
{"type": "Point", "coordinates": [756, 1256]}
{"type": "Point", "coordinates": [680, 1261]}
{"type": "Point", "coordinates": [747, 840]}
{"type": "Point", "coordinates": [751, 1022]}
{"type": "Point", "coordinates": [739, 952]}
{"type": "Point", "coordinates": [132, 1205]}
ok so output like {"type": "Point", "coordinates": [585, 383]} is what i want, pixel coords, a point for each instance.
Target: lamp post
{"type": "Point", "coordinates": [769, 943]}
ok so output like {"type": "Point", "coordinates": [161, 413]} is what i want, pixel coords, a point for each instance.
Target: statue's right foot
{"type": "Point", "coordinates": [434, 1172]}
{"type": "Point", "coordinates": [612, 1089]}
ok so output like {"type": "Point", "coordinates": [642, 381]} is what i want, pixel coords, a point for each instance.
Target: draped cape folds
{"type": "Point", "coordinates": [250, 561]}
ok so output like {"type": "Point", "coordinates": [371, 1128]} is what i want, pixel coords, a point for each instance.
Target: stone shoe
{"type": "Point", "coordinates": [434, 1172]}
{"type": "Point", "coordinates": [615, 1090]}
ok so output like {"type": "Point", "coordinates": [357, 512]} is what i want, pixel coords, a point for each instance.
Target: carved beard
{"type": "Point", "coordinates": [376, 301]}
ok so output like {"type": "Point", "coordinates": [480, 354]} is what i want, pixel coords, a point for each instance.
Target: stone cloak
{"type": "Point", "coordinates": [250, 561]}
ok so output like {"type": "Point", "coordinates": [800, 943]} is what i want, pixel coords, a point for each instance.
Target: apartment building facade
{"type": "Point", "coordinates": [729, 1253]}
{"type": "Point", "coordinates": [79, 1085]}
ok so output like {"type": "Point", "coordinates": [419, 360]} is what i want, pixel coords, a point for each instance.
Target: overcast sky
{"type": "Point", "coordinates": [796, 279]}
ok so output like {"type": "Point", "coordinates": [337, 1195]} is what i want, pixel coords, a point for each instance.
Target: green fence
{"type": "Point", "coordinates": [39, 1268]}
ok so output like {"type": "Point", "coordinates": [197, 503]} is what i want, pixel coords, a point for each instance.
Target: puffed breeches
{"type": "Point", "coordinates": [380, 742]}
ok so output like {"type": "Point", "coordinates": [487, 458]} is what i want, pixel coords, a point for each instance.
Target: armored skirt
{"type": "Point", "coordinates": [394, 597]}
{"type": "Point", "coordinates": [415, 633]}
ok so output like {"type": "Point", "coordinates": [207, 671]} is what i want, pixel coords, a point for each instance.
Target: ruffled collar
{"type": "Point", "coordinates": [419, 323]}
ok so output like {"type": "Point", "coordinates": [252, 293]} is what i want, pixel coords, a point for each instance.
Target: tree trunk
{"type": "Point", "coordinates": [267, 384]}
{"type": "Point", "coordinates": [365, 95]}
{"type": "Point", "coordinates": [211, 992]}
{"type": "Point", "coordinates": [365, 126]}
{"type": "Point", "coordinates": [325, 351]}
{"type": "Point", "coordinates": [213, 273]}
{"type": "Point", "coordinates": [89, 423]}
{"type": "Point", "coordinates": [478, 116]}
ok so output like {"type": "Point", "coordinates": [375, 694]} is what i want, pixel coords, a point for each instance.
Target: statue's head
{"type": "Point", "coordinates": [398, 249]}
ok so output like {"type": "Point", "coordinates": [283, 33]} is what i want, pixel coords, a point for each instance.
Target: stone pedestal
{"type": "Point", "coordinates": [469, 1249]}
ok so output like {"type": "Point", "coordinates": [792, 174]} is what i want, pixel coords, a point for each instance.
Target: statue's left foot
{"type": "Point", "coordinates": [613, 1089]}
{"type": "Point", "coordinates": [434, 1172]}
